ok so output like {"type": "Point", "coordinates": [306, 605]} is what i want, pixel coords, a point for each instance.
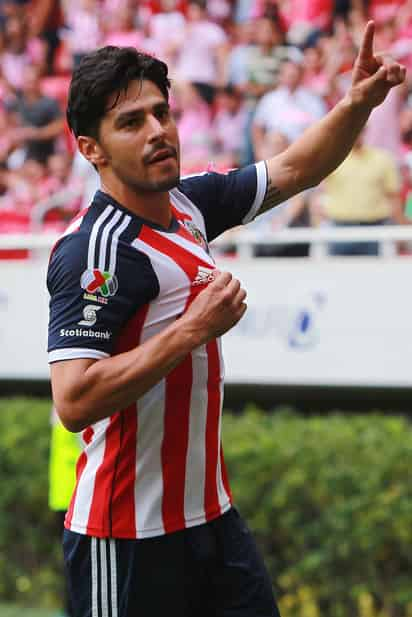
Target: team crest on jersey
{"type": "Point", "coordinates": [197, 234]}
{"type": "Point", "coordinates": [99, 282]}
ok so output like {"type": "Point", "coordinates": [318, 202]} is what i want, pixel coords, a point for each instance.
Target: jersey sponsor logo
{"type": "Point", "coordinates": [204, 276]}
{"type": "Point", "coordinates": [99, 281]}
{"type": "Point", "coordinates": [197, 234]}
{"type": "Point", "coordinates": [89, 315]}
{"type": "Point", "coordinates": [85, 333]}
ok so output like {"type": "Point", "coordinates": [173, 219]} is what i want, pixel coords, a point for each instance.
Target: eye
{"type": "Point", "coordinates": [132, 122]}
{"type": "Point", "coordinates": [162, 113]}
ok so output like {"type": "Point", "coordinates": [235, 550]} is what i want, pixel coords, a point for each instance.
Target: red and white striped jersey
{"type": "Point", "coordinates": [115, 280]}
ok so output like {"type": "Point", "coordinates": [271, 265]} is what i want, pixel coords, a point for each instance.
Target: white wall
{"type": "Point", "coordinates": [328, 322]}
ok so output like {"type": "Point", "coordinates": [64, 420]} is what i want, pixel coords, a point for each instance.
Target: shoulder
{"type": "Point", "coordinates": [97, 246]}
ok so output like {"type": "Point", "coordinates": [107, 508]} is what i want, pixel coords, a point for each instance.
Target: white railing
{"type": "Point", "coordinates": [244, 241]}
{"type": "Point", "coordinates": [318, 238]}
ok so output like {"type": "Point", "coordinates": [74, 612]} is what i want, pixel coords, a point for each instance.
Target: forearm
{"type": "Point", "coordinates": [50, 131]}
{"type": "Point", "coordinates": [116, 382]}
{"type": "Point", "coordinates": [324, 146]}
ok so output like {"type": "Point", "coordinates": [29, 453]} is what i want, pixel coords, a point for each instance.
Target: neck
{"type": "Point", "coordinates": [151, 205]}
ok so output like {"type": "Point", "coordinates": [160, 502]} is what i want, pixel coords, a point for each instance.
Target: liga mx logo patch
{"type": "Point", "coordinates": [99, 281]}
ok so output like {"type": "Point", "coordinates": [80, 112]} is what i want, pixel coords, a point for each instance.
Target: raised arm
{"type": "Point", "coordinates": [326, 144]}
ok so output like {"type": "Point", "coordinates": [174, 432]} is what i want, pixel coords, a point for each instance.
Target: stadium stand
{"type": "Point", "coordinates": [245, 55]}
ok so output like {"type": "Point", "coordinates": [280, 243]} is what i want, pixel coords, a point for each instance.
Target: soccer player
{"type": "Point", "coordinates": [136, 314]}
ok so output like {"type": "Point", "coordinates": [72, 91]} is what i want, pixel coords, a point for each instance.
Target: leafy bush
{"type": "Point", "coordinates": [30, 556]}
{"type": "Point", "coordinates": [329, 499]}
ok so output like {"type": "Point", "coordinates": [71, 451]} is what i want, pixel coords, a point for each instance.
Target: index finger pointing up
{"type": "Point", "coordinates": [366, 48]}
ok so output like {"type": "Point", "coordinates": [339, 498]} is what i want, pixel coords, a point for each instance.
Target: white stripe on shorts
{"type": "Point", "coordinates": [95, 610]}
{"type": "Point", "coordinates": [102, 605]}
{"type": "Point", "coordinates": [113, 574]}
{"type": "Point", "coordinates": [103, 566]}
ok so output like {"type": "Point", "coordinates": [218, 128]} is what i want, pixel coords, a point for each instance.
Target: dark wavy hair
{"type": "Point", "coordinates": [105, 72]}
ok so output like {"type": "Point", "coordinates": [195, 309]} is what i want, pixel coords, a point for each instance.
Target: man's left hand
{"type": "Point", "coordinates": [374, 74]}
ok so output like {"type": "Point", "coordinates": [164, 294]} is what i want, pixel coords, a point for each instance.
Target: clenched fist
{"type": "Point", "coordinates": [217, 308]}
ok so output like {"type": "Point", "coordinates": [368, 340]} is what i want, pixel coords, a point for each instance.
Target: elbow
{"type": "Point", "coordinates": [72, 415]}
{"type": "Point", "coordinates": [313, 182]}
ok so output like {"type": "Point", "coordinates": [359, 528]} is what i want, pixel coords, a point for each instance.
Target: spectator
{"type": "Point", "coordinates": [166, 32]}
{"type": "Point", "coordinates": [229, 126]}
{"type": "Point", "coordinates": [59, 181]}
{"type": "Point", "coordinates": [364, 190]}
{"type": "Point", "coordinates": [244, 37]}
{"type": "Point", "coordinates": [24, 186]}
{"type": "Point", "coordinates": [84, 32]}
{"type": "Point", "coordinates": [195, 128]}
{"type": "Point", "coordinates": [41, 118]}
{"type": "Point", "coordinates": [265, 58]}
{"type": "Point", "coordinates": [19, 52]}
{"type": "Point", "coordinates": [295, 212]}
{"type": "Point", "coordinates": [7, 141]}
{"type": "Point", "coordinates": [121, 29]}
{"type": "Point", "coordinates": [304, 16]}
{"type": "Point", "coordinates": [290, 108]}
{"type": "Point", "coordinates": [46, 19]}
{"type": "Point", "coordinates": [202, 54]}
{"type": "Point", "coordinates": [262, 68]}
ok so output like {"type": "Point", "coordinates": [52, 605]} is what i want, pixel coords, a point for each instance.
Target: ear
{"type": "Point", "coordinates": [92, 150]}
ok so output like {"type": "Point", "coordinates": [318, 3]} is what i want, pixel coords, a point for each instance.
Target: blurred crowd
{"type": "Point", "coordinates": [249, 76]}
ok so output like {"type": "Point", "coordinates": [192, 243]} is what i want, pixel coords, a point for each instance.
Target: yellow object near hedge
{"type": "Point", "coordinates": [64, 451]}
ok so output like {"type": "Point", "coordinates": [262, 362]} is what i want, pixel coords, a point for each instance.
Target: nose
{"type": "Point", "coordinates": [156, 129]}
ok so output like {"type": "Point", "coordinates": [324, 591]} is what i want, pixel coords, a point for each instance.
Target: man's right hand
{"type": "Point", "coordinates": [217, 308]}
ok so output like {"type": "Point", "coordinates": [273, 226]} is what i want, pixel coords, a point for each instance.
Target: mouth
{"type": "Point", "coordinates": [162, 155]}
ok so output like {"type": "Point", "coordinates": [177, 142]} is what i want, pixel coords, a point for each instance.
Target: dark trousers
{"type": "Point", "coordinates": [211, 570]}
{"type": "Point", "coordinates": [355, 248]}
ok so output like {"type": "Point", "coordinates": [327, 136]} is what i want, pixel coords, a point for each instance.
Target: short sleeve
{"type": "Point", "coordinates": [52, 109]}
{"type": "Point", "coordinates": [90, 306]}
{"type": "Point", "coordinates": [227, 200]}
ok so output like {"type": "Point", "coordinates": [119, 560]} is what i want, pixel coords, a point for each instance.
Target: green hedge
{"type": "Point", "coordinates": [30, 557]}
{"type": "Point", "coordinates": [329, 499]}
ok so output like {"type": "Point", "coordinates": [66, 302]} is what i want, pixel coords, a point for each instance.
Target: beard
{"type": "Point", "coordinates": [147, 185]}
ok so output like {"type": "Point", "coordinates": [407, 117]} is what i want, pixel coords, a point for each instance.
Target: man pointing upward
{"type": "Point", "coordinates": [151, 529]}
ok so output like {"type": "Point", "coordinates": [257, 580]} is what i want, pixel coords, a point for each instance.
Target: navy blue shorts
{"type": "Point", "coordinates": [211, 570]}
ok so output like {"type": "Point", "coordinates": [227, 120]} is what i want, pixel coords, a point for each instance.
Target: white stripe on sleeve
{"type": "Point", "coordinates": [75, 353]}
{"type": "Point", "coordinates": [262, 182]}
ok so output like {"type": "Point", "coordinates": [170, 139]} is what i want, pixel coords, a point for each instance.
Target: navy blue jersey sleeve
{"type": "Point", "coordinates": [90, 305]}
{"type": "Point", "coordinates": [227, 200]}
